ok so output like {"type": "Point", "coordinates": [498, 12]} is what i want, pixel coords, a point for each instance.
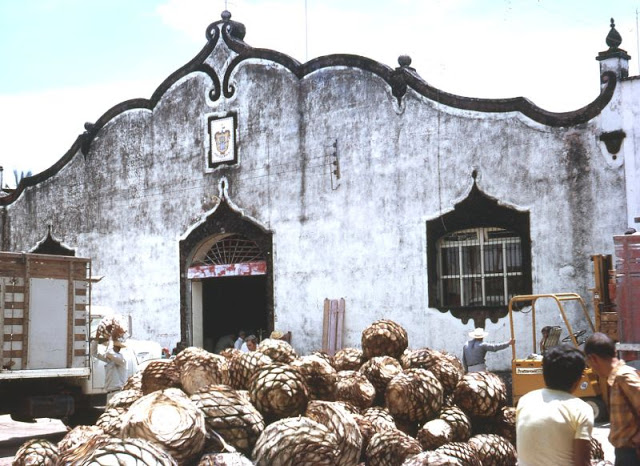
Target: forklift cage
{"type": "Point", "coordinates": [559, 298]}
{"type": "Point", "coordinates": [527, 372]}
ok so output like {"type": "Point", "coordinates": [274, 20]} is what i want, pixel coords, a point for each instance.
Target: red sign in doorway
{"type": "Point", "coordinates": [228, 270]}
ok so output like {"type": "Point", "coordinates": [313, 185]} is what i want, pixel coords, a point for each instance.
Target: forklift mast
{"type": "Point", "coordinates": [604, 292]}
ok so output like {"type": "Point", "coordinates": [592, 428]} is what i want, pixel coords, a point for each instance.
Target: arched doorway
{"type": "Point", "coordinates": [227, 281]}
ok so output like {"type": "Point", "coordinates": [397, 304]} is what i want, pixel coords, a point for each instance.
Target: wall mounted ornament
{"type": "Point", "coordinates": [221, 131]}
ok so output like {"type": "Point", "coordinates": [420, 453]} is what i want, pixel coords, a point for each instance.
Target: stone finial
{"type": "Point", "coordinates": [614, 39]}
{"type": "Point", "coordinates": [614, 58]}
{"type": "Point", "coordinates": [404, 60]}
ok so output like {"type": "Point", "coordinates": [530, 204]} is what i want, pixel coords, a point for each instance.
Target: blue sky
{"type": "Point", "coordinates": [65, 62]}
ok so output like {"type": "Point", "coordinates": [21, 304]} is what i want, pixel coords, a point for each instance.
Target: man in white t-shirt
{"type": "Point", "coordinates": [553, 427]}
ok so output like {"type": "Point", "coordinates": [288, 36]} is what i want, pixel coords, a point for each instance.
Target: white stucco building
{"type": "Point", "coordinates": [250, 187]}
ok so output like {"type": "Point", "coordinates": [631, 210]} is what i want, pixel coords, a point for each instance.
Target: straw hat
{"type": "Point", "coordinates": [276, 335]}
{"type": "Point", "coordinates": [478, 333]}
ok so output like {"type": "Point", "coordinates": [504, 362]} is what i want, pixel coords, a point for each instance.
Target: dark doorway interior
{"type": "Point", "coordinates": [233, 303]}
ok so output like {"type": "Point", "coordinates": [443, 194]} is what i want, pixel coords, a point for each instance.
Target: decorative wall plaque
{"type": "Point", "coordinates": [222, 140]}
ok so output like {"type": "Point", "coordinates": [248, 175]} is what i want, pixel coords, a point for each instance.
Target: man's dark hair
{"type": "Point", "coordinates": [601, 345]}
{"type": "Point", "coordinates": [562, 367]}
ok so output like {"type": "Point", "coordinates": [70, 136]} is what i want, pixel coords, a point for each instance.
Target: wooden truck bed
{"type": "Point", "coordinates": [43, 315]}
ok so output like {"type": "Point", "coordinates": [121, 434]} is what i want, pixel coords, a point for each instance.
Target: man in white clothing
{"type": "Point", "coordinates": [553, 427]}
{"type": "Point", "coordinates": [240, 340]}
{"type": "Point", "coordinates": [115, 367]}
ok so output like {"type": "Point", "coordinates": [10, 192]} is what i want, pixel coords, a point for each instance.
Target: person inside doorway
{"type": "Point", "coordinates": [224, 342]}
{"type": "Point", "coordinates": [475, 350]}
{"type": "Point", "coordinates": [240, 340]}
{"type": "Point", "coordinates": [250, 344]}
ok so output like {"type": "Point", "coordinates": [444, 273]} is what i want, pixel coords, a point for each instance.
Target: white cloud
{"type": "Point", "coordinates": [551, 63]}
{"type": "Point", "coordinates": [45, 124]}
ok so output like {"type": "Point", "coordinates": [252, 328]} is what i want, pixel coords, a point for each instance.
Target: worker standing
{"type": "Point", "coordinates": [553, 427]}
{"type": "Point", "coordinates": [624, 397]}
{"type": "Point", "coordinates": [115, 366]}
{"type": "Point", "coordinates": [475, 350]}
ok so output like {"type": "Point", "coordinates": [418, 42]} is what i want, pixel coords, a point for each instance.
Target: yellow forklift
{"type": "Point", "coordinates": [526, 370]}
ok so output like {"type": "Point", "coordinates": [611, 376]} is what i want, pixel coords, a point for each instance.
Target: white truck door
{"type": "Point", "coordinates": [48, 323]}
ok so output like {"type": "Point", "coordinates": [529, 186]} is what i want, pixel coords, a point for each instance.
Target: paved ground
{"type": "Point", "coordinates": [13, 434]}
{"type": "Point", "coordinates": [601, 433]}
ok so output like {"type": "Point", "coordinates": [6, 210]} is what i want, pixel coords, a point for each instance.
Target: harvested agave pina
{"type": "Point", "coordinates": [128, 451]}
{"type": "Point", "coordinates": [462, 451]}
{"type": "Point", "coordinates": [493, 450]}
{"type": "Point", "coordinates": [342, 424]}
{"type": "Point", "coordinates": [278, 390]}
{"type": "Point", "coordinates": [170, 419]}
{"type": "Point", "coordinates": [296, 441]}
{"type": "Point", "coordinates": [348, 359]}
{"type": "Point", "coordinates": [384, 338]}
{"type": "Point", "coordinates": [203, 369]}
{"type": "Point", "coordinates": [231, 415]}
{"type": "Point", "coordinates": [414, 395]}
{"type": "Point", "coordinates": [391, 447]}
{"type": "Point", "coordinates": [319, 375]}
{"type": "Point", "coordinates": [277, 350]}
{"type": "Point", "coordinates": [379, 370]}
{"type": "Point", "coordinates": [37, 452]}
{"type": "Point", "coordinates": [480, 394]}
{"type": "Point", "coordinates": [354, 388]}
{"type": "Point", "coordinates": [77, 436]}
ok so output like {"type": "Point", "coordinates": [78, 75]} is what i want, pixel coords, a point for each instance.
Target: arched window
{"type": "Point", "coordinates": [227, 255]}
{"type": "Point", "coordinates": [230, 249]}
{"type": "Point", "coordinates": [478, 257]}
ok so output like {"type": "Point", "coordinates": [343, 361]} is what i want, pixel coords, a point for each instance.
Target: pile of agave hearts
{"type": "Point", "coordinates": [381, 405]}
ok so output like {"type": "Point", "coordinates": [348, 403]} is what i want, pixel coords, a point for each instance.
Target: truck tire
{"type": "Point", "coordinates": [21, 417]}
{"type": "Point", "coordinates": [600, 413]}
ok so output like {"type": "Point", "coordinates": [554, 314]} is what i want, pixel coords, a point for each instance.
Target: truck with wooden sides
{"type": "Point", "coordinates": [44, 314]}
{"type": "Point", "coordinates": [46, 325]}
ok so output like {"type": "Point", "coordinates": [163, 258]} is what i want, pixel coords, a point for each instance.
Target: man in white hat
{"type": "Point", "coordinates": [475, 350]}
{"type": "Point", "coordinates": [115, 375]}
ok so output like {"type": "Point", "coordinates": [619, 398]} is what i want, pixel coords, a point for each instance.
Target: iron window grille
{"type": "Point", "coordinates": [479, 267]}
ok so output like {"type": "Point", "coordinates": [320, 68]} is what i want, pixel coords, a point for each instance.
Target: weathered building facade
{"type": "Point", "coordinates": [251, 187]}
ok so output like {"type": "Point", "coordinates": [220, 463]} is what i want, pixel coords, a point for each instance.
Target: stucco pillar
{"type": "Point", "coordinates": [614, 59]}
{"type": "Point", "coordinates": [616, 123]}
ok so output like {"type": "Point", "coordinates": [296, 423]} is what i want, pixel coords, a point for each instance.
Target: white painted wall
{"type": "Point", "coordinates": [143, 185]}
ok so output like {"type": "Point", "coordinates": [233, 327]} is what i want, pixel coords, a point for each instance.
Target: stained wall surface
{"type": "Point", "coordinates": [141, 184]}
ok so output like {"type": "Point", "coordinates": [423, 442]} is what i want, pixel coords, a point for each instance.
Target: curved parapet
{"type": "Point", "coordinates": [400, 80]}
